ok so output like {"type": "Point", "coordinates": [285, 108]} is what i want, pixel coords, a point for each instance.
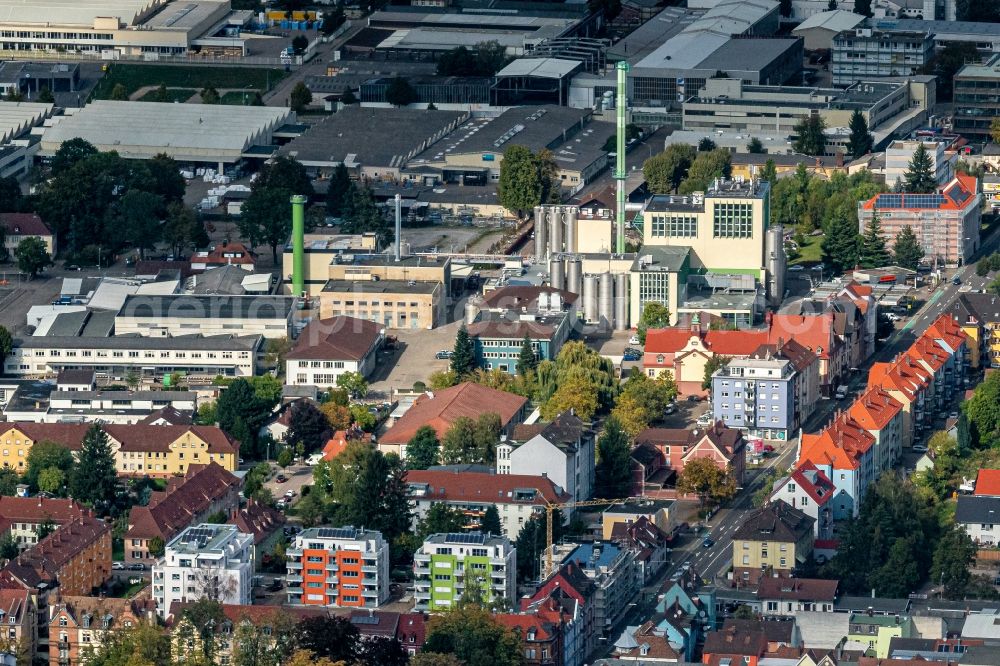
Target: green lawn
{"type": "Point", "coordinates": [196, 77]}
{"type": "Point", "coordinates": [810, 252]}
{"type": "Point", "coordinates": [173, 95]}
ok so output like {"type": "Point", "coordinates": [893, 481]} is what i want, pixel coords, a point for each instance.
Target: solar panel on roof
{"type": "Point", "coordinates": [958, 194]}
{"type": "Point", "coordinates": [890, 201]}
{"type": "Point", "coordinates": [364, 619]}
{"type": "Point", "coordinates": [337, 532]}
{"type": "Point", "coordinates": [470, 538]}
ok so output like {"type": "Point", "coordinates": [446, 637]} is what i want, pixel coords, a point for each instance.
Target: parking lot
{"type": "Point", "coordinates": [412, 360]}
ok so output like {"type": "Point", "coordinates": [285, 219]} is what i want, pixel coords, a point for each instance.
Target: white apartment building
{"type": "Point", "coordinates": [447, 563]}
{"type": "Point", "coordinates": [899, 153]}
{"type": "Point", "coordinates": [205, 560]}
{"type": "Point", "coordinates": [562, 451]}
{"type": "Point", "coordinates": [342, 566]}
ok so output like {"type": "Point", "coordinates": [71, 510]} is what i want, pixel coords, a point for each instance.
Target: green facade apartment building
{"type": "Point", "coordinates": [444, 562]}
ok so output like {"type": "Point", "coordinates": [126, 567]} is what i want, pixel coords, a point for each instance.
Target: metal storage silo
{"type": "Point", "coordinates": [569, 214]}
{"type": "Point", "coordinates": [541, 234]}
{"type": "Point", "coordinates": [605, 299]}
{"type": "Point", "coordinates": [574, 275]}
{"type": "Point", "coordinates": [621, 301]}
{"type": "Point", "coordinates": [590, 298]}
{"type": "Point", "coordinates": [471, 311]}
{"type": "Point", "coordinates": [555, 230]}
{"type": "Point", "coordinates": [776, 265]}
{"type": "Point", "coordinates": [556, 275]}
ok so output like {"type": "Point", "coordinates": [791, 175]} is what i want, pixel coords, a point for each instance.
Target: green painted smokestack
{"type": "Point", "coordinates": [298, 244]}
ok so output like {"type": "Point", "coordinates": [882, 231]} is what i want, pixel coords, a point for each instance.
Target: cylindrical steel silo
{"type": "Point", "coordinates": [574, 275]}
{"type": "Point", "coordinates": [605, 299]}
{"type": "Point", "coordinates": [590, 298]}
{"type": "Point", "coordinates": [777, 264]}
{"type": "Point", "coordinates": [555, 230]}
{"type": "Point", "coordinates": [621, 301]}
{"type": "Point", "coordinates": [471, 310]}
{"type": "Point", "coordinates": [569, 215]}
{"type": "Point", "coordinates": [541, 234]}
{"type": "Point", "coordinates": [556, 274]}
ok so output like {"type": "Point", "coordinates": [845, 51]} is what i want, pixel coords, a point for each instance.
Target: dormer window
{"type": "Point", "coordinates": [62, 621]}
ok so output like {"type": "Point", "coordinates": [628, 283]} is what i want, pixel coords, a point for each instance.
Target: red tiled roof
{"type": "Point", "coordinates": [259, 520]}
{"type": "Point", "coordinates": [131, 437]}
{"type": "Point", "coordinates": [814, 332]}
{"type": "Point", "coordinates": [226, 253]}
{"type": "Point", "coordinates": [38, 509]}
{"type": "Point", "coordinates": [814, 482]}
{"type": "Point", "coordinates": [483, 487]}
{"type": "Point", "coordinates": [958, 194]}
{"type": "Point", "coordinates": [988, 482]}
{"type": "Point", "coordinates": [57, 549]}
{"type": "Point", "coordinates": [875, 408]}
{"type": "Point", "coordinates": [336, 338]}
{"type": "Point", "coordinates": [24, 224]}
{"type": "Point", "coordinates": [184, 501]}
{"type": "Point", "coordinates": [735, 343]}
{"type": "Point", "coordinates": [444, 407]}
{"type": "Point", "coordinates": [524, 624]}
{"type": "Point", "coordinates": [667, 340]}
{"type": "Point", "coordinates": [802, 589]}
{"type": "Point", "coordinates": [333, 448]}
{"type": "Point", "coordinates": [841, 445]}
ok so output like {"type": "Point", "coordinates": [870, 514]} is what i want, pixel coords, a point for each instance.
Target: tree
{"type": "Point", "coordinates": [703, 477]}
{"type": "Point", "coordinates": [519, 188]}
{"type": "Point", "coordinates": [527, 360]}
{"type": "Point", "coordinates": [210, 95]}
{"type": "Point", "coordinates": [363, 418]}
{"type": "Point", "coordinates": [180, 227]}
{"type": "Point", "coordinates": [907, 251]}
{"type": "Point", "coordinates": [423, 448]}
{"type": "Point", "coordinates": [755, 146]}
{"type": "Point", "coordinates": [946, 62]}
{"type": "Point", "coordinates": [270, 647]}
{"type": "Point", "coordinates": [52, 480]}
{"type": "Point", "coordinates": [300, 97]}
{"type": "Point", "coordinates": [338, 416]}
{"type": "Point", "coordinates": [863, 7]}
{"type": "Point", "coordinates": [168, 182]}
{"type": "Point", "coordinates": [32, 256]}
{"type": "Point", "coordinates": [156, 546]}
{"type": "Point", "coordinates": [706, 145]}
{"type": "Point", "coordinates": [8, 546]}
{"type": "Point", "coordinates": [307, 658]}
{"type": "Point", "coordinates": [307, 425]}
{"type": "Point", "coordinates": [137, 219]}
{"type": "Point", "coordinates": [463, 356]}
{"type": "Point", "coordinates": [995, 130]}
{"type": "Point", "coordinates": [577, 393]}
{"type": "Point", "coordinates": [873, 250]}
{"type": "Point", "coordinates": [979, 11]}
{"type": "Point", "coordinates": [266, 217]}
{"type": "Point", "coordinates": [810, 139]}
{"type": "Point", "coordinates": [94, 479]}
{"type": "Point", "coordinates": [861, 141]}
{"type": "Point", "coordinates": [45, 528]}
{"type": "Point", "coordinates": [44, 455]}
{"type": "Point", "coordinates": [953, 557]}
{"type": "Point", "coordinates": [654, 315]}
{"type": "Point", "coordinates": [71, 153]}
{"type": "Point", "coordinates": [716, 362]}
{"type": "Point", "coordinates": [400, 92]}
{"type": "Point", "coordinates": [348, 98]}
{"type": "Point", "coordinates": [665, 172]}
{"type": "Point", "coordinates": [141, 644]}
{"type": "Point", "coordinates": [6, 344]}
{"type": "Point", "coordinates": [919, 175]}
{"type": "Point", "coordinates": [161, 94]}
{"type": "Point", "coordinates": [285, 173]}
{"type": "Point", "coordinates": [361, 215]}
{"type": "Point", "coordinates": [118, 93]}
{"type": "Point", "coordinates": [770, 172]}
{"type": "Point", "coordinates": [331, 637]}
{"type": "Point", "coordinates": [434, 659]}
{"type": "Point", "coordinates": [840, 246]}
{"type": "Point", "coordinates": [338, 189]}
{"type": "Point", "coordinates": [705, 168]}
{"type": "Point", "coordinates": [613, 475]}
{"type": "Point", "coordinates": [442, 519]}
{"type": "Point", "coordinates": [474, 636]}
{"type": "Point", "coordinates": [11, 199]}
{"type": "Point", "coordinates": [354, 383]}
{"type": "Point", "coordinates": [983, 411]}
{"type": "Point", "coordinates": [241, 412]}
{"type": "Point", "coordinates": [490, 523]}
{"type": "Point", "coordinates": [383, 651]}
{"type": "Point", "coordinates": [9, 480]}
{"type": "Point", "coordinates": [471, 441]}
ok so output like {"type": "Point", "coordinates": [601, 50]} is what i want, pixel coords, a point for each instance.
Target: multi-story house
{"type": "Point", "coordinates": [517, 497]}
{"type": "Point", "coordinates": [882, 416]}
{"type": "Point", "coordinates": [19, 620]}
{"type": "Point", "coordinates": [327, 348]}
{"type": "Point", "coordinates": [447, 565]}
{"type": "Point", "coordinates": [79, 626]}
{"type": "Point", "coordinates": [206, 560]}
{"type": "Point", "coordinates": [810, 491]}
{"type": "Point", "coordinates": [877, 631]}
{"type": "Point", "coordinates": [541, 640]}
{"type": "Point", "coordinates": [343, 566]}
{"type": "Point", "coordinates": [845, 452]}
{"type": "Point", "coordinates": [976, 87]}
{"type": "Point", "coordinates": [75, 558]}
{"type": "Point", "coordinates": [562, 450]}
{"type": "Point", "coordinates": [978, 317]}
{"type": "Point", "coordinates": [979, 516]}
{"type": "Point", "coordinates": [675, 447]}
{"type": "Point", "coordinates": [612, 570]}
{"type": "Point", "coordinates": [139, 449]}
{"type": "Point", "coordinates": [908, 383]}
{"type": "Point", "coordinates": [784, 597]}
{"type": "Point", "coordinates": [18, 226]}
{"type": "Point", "coordinates": [570, 589]}
{"type": "Point", "coordinates": [946, 223]}
{"type": "Point", "coordinates": [899, 154]}
{"type": "Point", "coordinates": [22, 516]}
{"type": "Point", "coordinates": [206, 490]}
{"type": "Point", "coordinates": [772, 541]}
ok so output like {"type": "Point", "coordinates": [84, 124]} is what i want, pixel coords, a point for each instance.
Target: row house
{"type": "Point", "coordinates": [845, 453]}
{"type": "Point", "coordinates": [907, 383]}
{"type": "Point", "coordinates": [22, 516]}
{"type": "Point", "coordinates": [649, 543]}
{"type": "Point", "coordinates": [19, 620]}
{"type": "Point", "coordinates": [882, 416]}
{"type": "Point", "coordinates": [978, 317]}
{"type": "Point", "coordinates": [206, 490]}
{"type": "Point", "coordinates": [950, 336]}
{"type": "Point", "coordinates": [80, 625]}
{"type": "Point", "coordinates": [811, 491]}
{"type": "Point", "coordinates": [786, 597]}
{"type": "Point", "coordinates": [572, 591]}
{"type": "Point", "coordinates": [612, 569]}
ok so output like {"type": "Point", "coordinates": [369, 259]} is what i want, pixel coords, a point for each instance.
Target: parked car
{"type": "Point", "coordinates": [953, 415]}
{"type": "Point", "coordinates": [137, 566]}
{"type": "Point", "coordinates": [120, 566]}
{"type": "Point", "coordinates": [634, 340]}
{"type": "Point", "coordinates": [957, 279]}
{"type": "Point", "coordinates": [289, 493]}
{"type": "Point", "coordinates": [693, 398]}
{"type": "Point", "coordinates": [919, 448]}
{"type": "Point", "coordinates": [767, 448]}
{"type": "Point", "coordinates": [443, 355]}
{"type": "Point", "coordinates": [281, 478]}
{"type": "Point", "coordinates": [631, 355]}
{"type": "Point", "coordinates": [796, 268]}
{"type": "Point", "coordinates": [705, 419]}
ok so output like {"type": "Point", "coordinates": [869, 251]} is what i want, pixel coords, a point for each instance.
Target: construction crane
{"type": "Point", "coordinates": [551, 507]}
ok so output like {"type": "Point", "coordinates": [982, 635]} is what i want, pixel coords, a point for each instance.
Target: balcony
{"type": "Point", "coordinates": [332, 566]}
{"type": "Point", "coordinates": [369, 569]}
{"type": "Point", "coordinates": [293, 579]}
{"type": "Point", "coordinates": [370, 592]}
{"type": "Point", "coordinates": [497, 562]}
{"type": "Point", "coordinates": [422, 595]}
{"type": "Point", "coordinates": [294, 565]}
{"type": "Point", "coordinates": [293, 552]}
{"type": "Point", "coordinates": [294, 590]}
{"type": "Point", "coordinates": [422, 571]}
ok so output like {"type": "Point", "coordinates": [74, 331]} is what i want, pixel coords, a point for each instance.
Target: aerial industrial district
{"type": "Point", "coordinates": [499, 333]}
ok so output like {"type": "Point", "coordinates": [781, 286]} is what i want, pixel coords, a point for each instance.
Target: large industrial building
{"type": "Point", "coordinates": [190, 133]}
{"type": "Point", "coordinates": [147, 28]}
{"type": "Point", "coordinates": [17, 149]}
{"type": "Point", "coordinates": [862, 53]}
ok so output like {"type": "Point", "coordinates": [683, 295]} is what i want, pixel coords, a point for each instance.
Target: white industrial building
{"type": "Point", "coordinates": [190, 133]}
{"type": "Point", "coordinates": [16, 121]}
{"type": "Point", "coordinates": [187, 314]}
{"type": "Point", "coordinates": [213, 561]}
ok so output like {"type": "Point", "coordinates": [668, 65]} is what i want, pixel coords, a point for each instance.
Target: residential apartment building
{"type": "Point", "coordinates": [882, 416]}
{"type": "Point", "coordinates": [206, 560]}
{"type": "Point", "coordinates": [899, 154]}
{"type": "Point", "coordinates": [139, 449]}
{"type": "Point", "coordinates": [95, 405]}
{"type": "Point", "coordinates": [541, 639]}
{"type": "Point", "coordinates": [976, 98]}
{"type": "Point", "coordinates": [205, 314]}
{"type": "Point", "coordinates": [80, 625]}
{"type": "Point", "coordinates": [446, 565]}
{"type": "Point", "coordinates": [22, 516]}
{"type": "Point", "coordinates": [611, 568]}
{"type": "Point", "coordinates": [327, 348]}
{"type": "Point", "coordinates": [673, 448]}
{"type": "Point", "coordinates": [204, 491]}
{"type": "Point", "coordinates": [562, 450]}
{"type": "Point", "coordinates": [978, 317]}
{"type": "Point", "coordinates": [19, 615]}
{"type": "Point", "coordinates": [910, 385]}
{"type": "Point", "coordinates": [517, 497]}
{"type": "Point", "coordinates": [785, 597]}
{"type": "Point", "coordinates": [877, 631]}
{"type": "Point", "coordinates": [863, 52]}
{"type": "Point", "coordinates": [113, 357]}
{"type": "Point", "coordinates": [845, 452]}
{"type": "Point", "coordinates": [772, 541]}
{"type": "Point", "coordinates": [570, 588]}
{"type": "Point", "coordinates": [946, 223]}
{"type": "Point", "coordinates": [18, 226]}
{"type": "Point", "coordinates": [810, 491]}
{"type": "Point", "coordinates": [343, 566]}
{"type": "Point", "coordinates": [76, 558]}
